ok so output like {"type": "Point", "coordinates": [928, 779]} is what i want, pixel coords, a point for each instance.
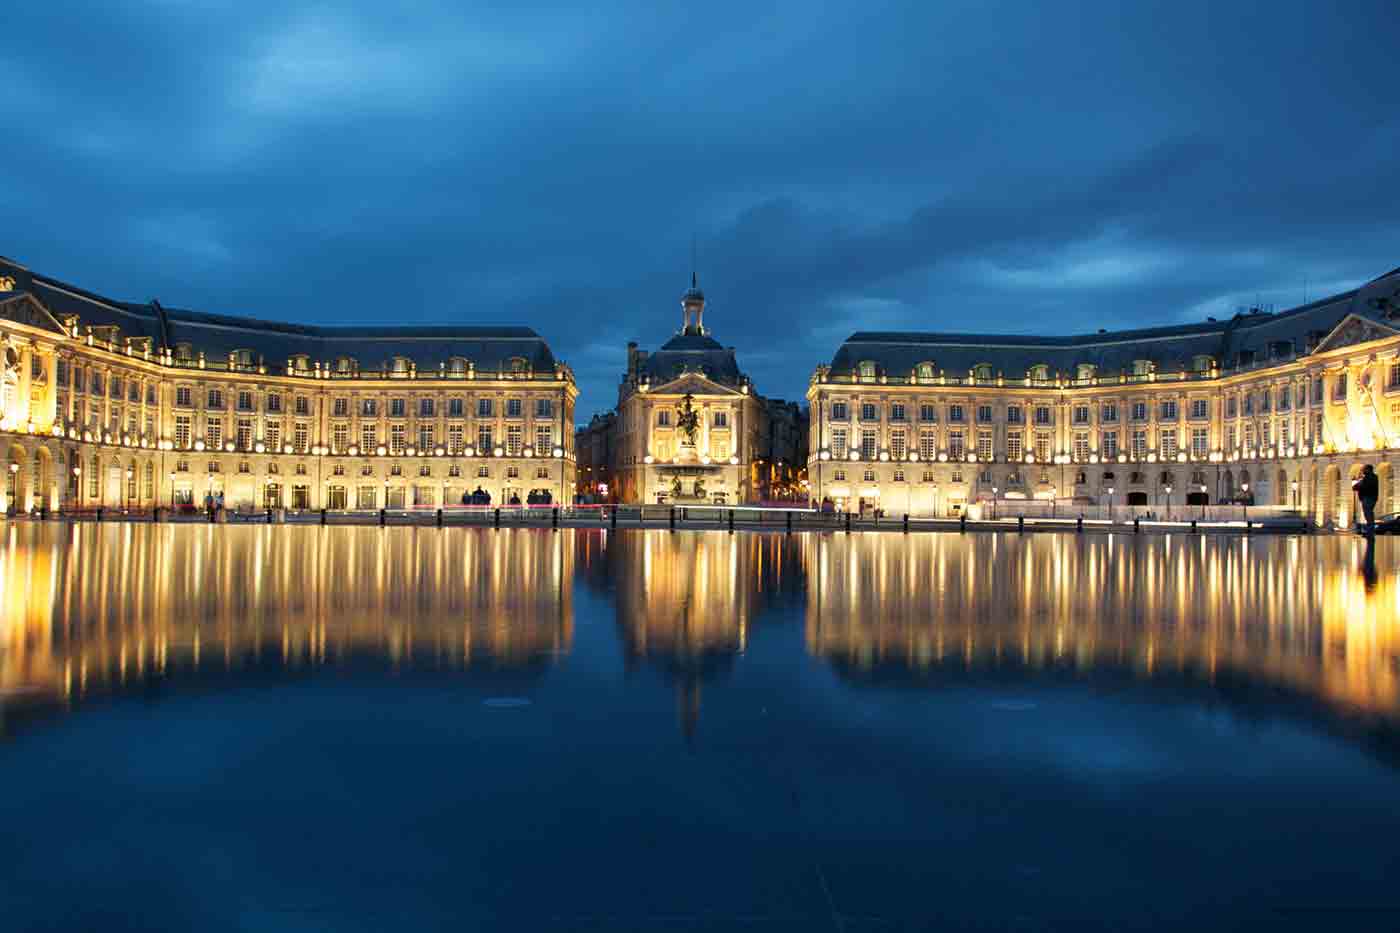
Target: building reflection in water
{"type": "Point", "coordinates": [89, 609]}
{"type": "Point", "coordinates": [1308, 615]}
{"type": "Point", "coordinates": [686, 601]}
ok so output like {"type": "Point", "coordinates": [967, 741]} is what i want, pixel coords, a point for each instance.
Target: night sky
{"type": "Point", "coordinates": [1028, 167]}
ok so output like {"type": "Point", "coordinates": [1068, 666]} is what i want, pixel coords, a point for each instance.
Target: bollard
{"type": "Point", "coordinates": [269, 516]}
{"type": "Point", "coordinates": [99, 513]}
{"type": "Point", "coordinates": [1079, 524]}
{"type": "Point", "coordinates": [731, 521]}
{"type": "Point", "coordinates": [1136, 520]}
{"type": "Point", "coordinates": [962, 522]}
{"type": "Point", "coordinates": [155, 515]}
{"type": "Point", "coordinates": [382, 518]}
{"type": "Point", "coordinates": [789, 522]}
{"type": "Point", "coordinates": [323, 516]}
{"type": "Point", "coordinates": [848, 523]}
{"type": "Point", "coordinates": [1248, 525]}
{"type": "Point", "coordinates": [498, 518]}
{"type": "Point", "coordinates": [906, 522]}
{"type": "Point", "coordinates": [556, 516]}
{"type": "Point", "coordinates": [1020, 524]}
{"type": "Point", "coordinates": [1193, 526]}
{"type": "Point", "coordinates": [614, 516]}
{"type": "Point", "coordinates": [673, 518]}
{"type": "Point", "coordinates": [439, 518]}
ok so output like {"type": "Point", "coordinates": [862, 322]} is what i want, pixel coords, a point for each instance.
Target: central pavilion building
{"type": "Point", "coordinates": [107, 403]}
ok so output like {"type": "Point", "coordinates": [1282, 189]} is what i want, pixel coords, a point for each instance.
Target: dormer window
{"type": "Point", "coordinates": [1039, 373]}
{"type": "Point", "coordinates": [344, 365]}
{"type": "Point", "coordinates": [1085, 372]}
{"type": "Point", "coordinates": [301, 363]}
{"type": "Point", "coordinates": [457, 366]}
{"type": "Point", "coordinates": [924, 372]}
{"type": "Point", "coordinates": [184, 352]}
{"type": "Point", "coordinates": [866, 370]}
{"type": "Point", "coordinates": [1202, 362]}
{"type": "Point", "coordinates": [243, 359]}
{"type": "Point", "coordinates": [982, 372]}
{"type": "Point", "coordinates": [519, 366]}
{"type": "Point", "coordinates": [1142, 367]}
{"type": "Point", "coordinates": [400, 366]}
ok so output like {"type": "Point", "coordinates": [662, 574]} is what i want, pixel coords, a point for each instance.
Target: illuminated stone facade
{"type": "Point", "coordinates": [689, 424]}
{"type": "Point", "coordinates": [1271, 408]}
{"type": "Point", "coordinates": [112, 404]}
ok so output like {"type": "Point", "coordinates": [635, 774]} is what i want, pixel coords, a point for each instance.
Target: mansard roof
{"type": "Point", "coordinates": [490, 348]}
{"type": "Point", "coordinates": [1229, 343]}
{"type": "Point", "coordinates": [692, 352]}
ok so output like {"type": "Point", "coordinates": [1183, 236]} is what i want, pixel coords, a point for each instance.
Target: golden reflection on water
{"type": "Point", "coordinates": [1307, 614]}
{"type": "Point", "coordinates": [88, 609]}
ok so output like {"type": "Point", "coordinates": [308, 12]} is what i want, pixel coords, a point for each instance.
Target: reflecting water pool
{"type": "Point", "coordinates": [359, 728]}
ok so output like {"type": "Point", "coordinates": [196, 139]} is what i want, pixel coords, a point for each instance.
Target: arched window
{"type": "Point", "coordinates": [924, 372]}
{"type": "Point", "coordinates": [400, 366]}
{"type": "Point", "coordinates": [866, 368]}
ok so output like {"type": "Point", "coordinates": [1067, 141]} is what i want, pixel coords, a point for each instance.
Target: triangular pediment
{"type": "Point", "coordinates": [692, 384]}
{"type": "Point", "coordinates": [24, 308]}
{"type": "Point", "coordinates": [1354, 329]}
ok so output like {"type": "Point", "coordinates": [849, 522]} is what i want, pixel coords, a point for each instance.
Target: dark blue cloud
{"type": "Point", "coordinates": [1015, 167]}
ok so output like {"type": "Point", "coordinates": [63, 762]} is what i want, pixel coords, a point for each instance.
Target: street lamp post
{"type": "Point", "coordinates": [126, 493]}
{"type": "Point", "coordinates": [1110, 505]}
{"type": "Point", "coordinates": [1054, 501]}
{"type": "Point", "coordinates": [78, 483]}
{"type": "Point", "coordinates": [1168, 489]}
{"type": "Point", "coordinates": [172, 492]}
{"type": "Point", "coordinates": [14, 487]}
{"type": "Point", "coordinates": [1204, 497]}
{"type": "Point", "coordinates": [1294, 486]}
{"type": "Point", "coordinates": [1244, 500]}
{"type": "Point", "coordinates": [994, 503]}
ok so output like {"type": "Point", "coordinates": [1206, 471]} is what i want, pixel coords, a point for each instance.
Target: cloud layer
{"type": "Point", "coordinates": [1009, 167]}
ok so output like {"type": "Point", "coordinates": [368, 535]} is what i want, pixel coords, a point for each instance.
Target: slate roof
{"type": "Point", "coordinates": [491, 348]}
{"type": "Point", "coordinates": [1171, 348]}
{"type": "Point", "coordinates": [697, 353]}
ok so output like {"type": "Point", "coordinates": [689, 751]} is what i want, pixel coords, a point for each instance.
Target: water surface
{"type": "Point", "coordinates": [351, 728]}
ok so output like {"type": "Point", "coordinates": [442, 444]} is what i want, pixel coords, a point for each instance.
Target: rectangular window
{"type": "Point", "coordinates": [867, 445]}
{"type": "Point", "coordinates": [215, 400]}
{"type": "Point", "coordinates": [1014, 451]}
{"type": "Point", "coordinates": [513, 440]}
{"type": "Point", "coordinates": [1393, 383]}
{"type": "Point", "coordinates": [839, 446]}
{"type": "Point", "coordinates": [955, 414]}
{"type": "Point", "coordinates": [1081, 446]}
{"type": "Point", "coordinates": [1139, 411]}
{"type": "Point", "coordinates": [1231, 406]}
{"type": "Point", "coordinates": [369, 408]}
{"type": "Point", "coordinates": [367, 497]}
{"type": "Point", "coordinates": [484, 408]}
{"type": "Point", "coordinates": [425, 437]}
{"type": "Point", "coordinates": [1013, 414]}
{"type": "Point", "coordinates": [1169, 449]}
{"type": "Point", "coordinates": [1042, 414]}
{"type": "Point", "coordinates": [1080, 414]}
{"type": "Point", "coordinates": [898, 447]}
{"type": "Point", "coordinates": [1200, 408]}
{"type": "Point", "coordinates": [1249, 403]}
{"type": "Point", "coordinates": [721, 419]}
{"type": "Point", "coordinates": [483, 441]}
{"type": "Point", "coordinates": [455, 444]}
{"type": "Point", "coordinates": [1284, 398]}
{"type": "Point", "coordinates": [243, 436]}
{"type": "Point", "coordinates": [214, 433]}
{"type": "Point", "coordinates": [1339, 387]}
{"type": "Point", "coordinates": [1231, 435]}
{"type": "Point", "coordinates": [1317, 429]}
{"type": "Point", "coordinates": [96, 383]}
{"type": "Point", "coordinates": [397, 407]}
{"type": "Point", "coordinates": [245, 400]}
{"type": "Point", "coordinates": [183, 435]}
{"type": "Point", "coordinates": [274, 402]}
{"type": "Point", "coordinates": [1264, 397]}
{"type": "Point", "coordinates": [1249, 434]}
{"type": "Point", "coordinates": [150, 393]}
{"type": "Point", "coordinates": [899, 476]}
{"type": "Point", "coordinates": [838, 411]}
{"type": "Point", "coordinates": [133, 391]}
{"type": "Point", "coordinates": [544, 408]}
{"type": "Point", "coordinates": [454, 408]}
{"type": "Point", "coordinates": [341, 407]}
{"type": "Point", "coordinates": [984, 414]}
{"type": "Point", "coordinates": [340, 437]}
{"type": "Point", "coordinates": [867, 412]}
{"type": "Point", "coordinates": [928, 445]}
{"type": "Point", "coordinates": [1109, 415]}
{"type": "Point", "coordinates": [1168, 410]}
{"type": "Point", "coordinates": [116, 386]}
{"type": "Point", "coordinates": [514, 407]}
{"type": "Point", "coordinates": [1042, 447]}
{"type": "Point", "coordinates": [897, 412]}
{"type": "Point", "coordinates": [984, 444]}
{"type": "Point", "coordinates": [928, 413]}
{"type": "Point", "coordinates": [1108, 445]}
{"type": "Point", "coordinates": [398, 439]}
{"type": "Point", "coordinates": [956, 451]}
{"type": "Point", "coordinates": [544, 441]}
{"type": "Point", "coordinates": [425, 408]}
{"type": "Point", "coordinates": [839, 476]}
{"type": "Point", "coordinates": [1200, 443]}
{"type": "Point", "coordinates": [1139, 444]}
{"type": "Point", "coordinates": [369, 438]}
{"type": "Point", "coordinates": [663, 418]}
{"type": "Point", "coordinates": [301, 437]}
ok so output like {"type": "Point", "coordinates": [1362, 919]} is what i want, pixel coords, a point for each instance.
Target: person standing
{"type": "Point", "coordinates": [1368, 490]}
